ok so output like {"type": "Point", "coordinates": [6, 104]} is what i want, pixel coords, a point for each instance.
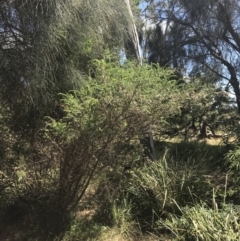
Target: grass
{"type": "Point", "coordinates": [170, 199]}
{"type": "Point", "coordinates": [204, 224]}
{"type": "Point", "coordinates": [142, 203]}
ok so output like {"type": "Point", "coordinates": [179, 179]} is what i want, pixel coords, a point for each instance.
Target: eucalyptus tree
{"type": "Point", "coordinates": [134, 34]}
{"type": "Point", "coordinates": [198, 33]}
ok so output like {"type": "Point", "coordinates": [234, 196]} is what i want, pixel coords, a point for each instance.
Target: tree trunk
{"type": "Point", "coordinates": [148, 145]}
{"type": "Point", "coordinates": [147, 140]}
{"type": "Point", "coordinates": [203, 130]}
{"type": "Point", "coordinates": [134, 34]}
{"type": "Point", "coordinates": [235, 84]}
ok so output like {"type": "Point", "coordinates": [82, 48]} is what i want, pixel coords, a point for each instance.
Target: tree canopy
{"type": "Point", "coordinates": [195, 34]}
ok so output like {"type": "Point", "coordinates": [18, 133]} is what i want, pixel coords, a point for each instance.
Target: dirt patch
{"type": "Point", "coordinates": [86, 214]}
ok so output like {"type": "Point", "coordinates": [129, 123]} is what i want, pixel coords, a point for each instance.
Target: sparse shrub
{"type": "Point", "coordinates": [103, 118]}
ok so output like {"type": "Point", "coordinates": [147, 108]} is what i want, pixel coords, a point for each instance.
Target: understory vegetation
{"type": "Point", "coordinates": [98, 144]}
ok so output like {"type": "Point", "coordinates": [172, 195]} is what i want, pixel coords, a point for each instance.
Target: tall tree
{"type": "Point", "coordinates": [47, 46]}
{"type": "Point", "coordinates": [207, 33]}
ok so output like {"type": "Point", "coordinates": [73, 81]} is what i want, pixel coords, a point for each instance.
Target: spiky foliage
{"type": "Point", "coordinates": [201, 223]}
{"type": "Point", "coordinates": [158, 189]}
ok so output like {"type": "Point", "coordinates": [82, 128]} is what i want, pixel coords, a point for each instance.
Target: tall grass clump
{"type": "Point", "coordinates": [159, 188]}
{"type": "Point", "coordinates": [122, 217]}
{"type": "Point", "coordinates": [204, 224]}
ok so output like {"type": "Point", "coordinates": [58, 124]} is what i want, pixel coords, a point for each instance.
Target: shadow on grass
{"type": "Point", "coordinates": [83, 229]}
{"type": "Point", "coordinates": [25, 220]}
{"type": "Point", "coordinates": [196, 151]}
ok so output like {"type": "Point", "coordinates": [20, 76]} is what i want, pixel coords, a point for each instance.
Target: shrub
{"type": "Point", "coordinates": [102, 120]}
{"type": "Point", "coordinates": [101, 126]}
